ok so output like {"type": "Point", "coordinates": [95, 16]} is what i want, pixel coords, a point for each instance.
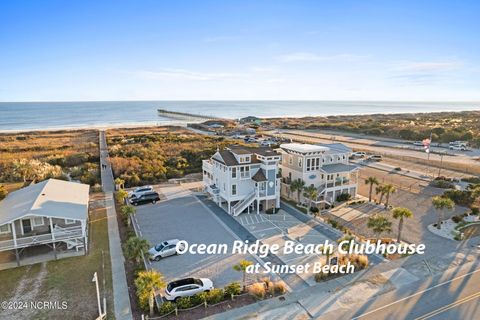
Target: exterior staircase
{"type": "Point", "coordinates": [243, 204]}
{"type": "Point", "coordinates": [68, 237]}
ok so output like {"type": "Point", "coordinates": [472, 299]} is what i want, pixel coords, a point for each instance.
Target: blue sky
{"type": "Point", "coordinates": [221, 50]}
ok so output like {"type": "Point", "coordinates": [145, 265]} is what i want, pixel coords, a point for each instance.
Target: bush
{"type": "Point", "coordinates": [359, 261]}
{"type": "Point", "coordinates": [442, 184]}
{"type": "Point", "coordinates": [457, 219]}
{"type": "Point", "coordinates": [475, 211]}
{"type": "Point", "coordinates": [197, 299]}
{"type": "Point", "coordinates": [321, 276]}
{"type": "Point", "coordinates": [184, 303]}
{"type": "Point", "coordinates": [343, 197]}
{"type": "Point", "coordinates": [462, 198]}
{"type": "Point", "coordinates": [166, 308]}
{"type": "Point", "coordinates": [215, 296]}
{"type": "Point", "coordinates": [472, 180]}
{"type": "Point", "coordinates": [279, 287]}
{"type": "Point", "coordinates": [314, 210]}
{"type": "Point", "coordinates": [233, 288]}
{"type": "Point", "coordinates": [3, 192]}
{"type": "Point", "coordinates": [257, 290]}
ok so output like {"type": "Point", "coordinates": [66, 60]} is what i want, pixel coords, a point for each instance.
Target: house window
{"type": "Point", "coordinates": [69, 221]}
{"type": "Point", "coordinates": [4, 228]}
{"type": "Point", "coordinates": [234, 173]}
{"type": "Point", "coordinates": [37, 221]}
{"type": "Point", "coordinates": [247, 159]}
{"type": "Point", "coordinates": [234, 189]}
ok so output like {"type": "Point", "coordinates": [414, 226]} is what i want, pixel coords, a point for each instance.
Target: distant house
{"type": "Point", "coordinates": [241, 179]}
{"type": "Point", "coordinates": [250, 119]}
{"type": "Point", "coordinates": [324, 166]}
{"type": "Point", "coordinates": [50, 214]}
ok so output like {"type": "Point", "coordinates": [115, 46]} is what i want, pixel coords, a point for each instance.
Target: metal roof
{"type": "Point", "coordinates": [50, 198]}
{"type": "Point", "coordinates": [338, 167]}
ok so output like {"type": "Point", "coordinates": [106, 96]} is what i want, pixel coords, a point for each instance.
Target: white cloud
{"type": "Point", "coordinates": [424, 72]}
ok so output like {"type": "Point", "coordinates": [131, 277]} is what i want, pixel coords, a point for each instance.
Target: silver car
{"type": "Point", "coordinates": [164, 249]}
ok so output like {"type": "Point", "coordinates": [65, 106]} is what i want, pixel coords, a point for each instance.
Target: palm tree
{"type": "Point", "coordinates": [440, 204]}
{"type": "Point", "coordinates": [401, 213]}
{"type": "Point", "coordinates": [381, 190]}
{"type": "Point", "coordinates": [242, 267]}
{"type": "Point", "coordinates": [127, 212]}
{"type": "Point", "coordinates": [120, 183]}
{"type": "Point", "coordinates": [311, 194]}
{"type": "Point", "coordinates": [389, 189]}
{"type": "Point", "coordinates": [379, 224]}
{"type": "Point", "coordinates": [371, 181]}
{"type": "Point", "coordinates": [121, 195]}
{"type": "Point", "coordinates": [327, 251]}
{"type": "Point", "coordinates": [3, 192]}
{"type": "Point", "coordinates": [135, 248]}
{"type": "Point", "coordinates": [297, 185]}
{"type": "Point", "coordinates": [147, 283]}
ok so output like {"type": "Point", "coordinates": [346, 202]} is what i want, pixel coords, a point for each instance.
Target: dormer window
{"type": "Point", "coordinates": [247, 159]}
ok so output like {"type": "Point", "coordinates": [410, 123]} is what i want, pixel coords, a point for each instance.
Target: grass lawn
{"type": "Point", "coordinates": [67, 280]}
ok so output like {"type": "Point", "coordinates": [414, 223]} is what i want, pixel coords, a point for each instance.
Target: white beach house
{"type": "Point", "coordinates": [241, 179]}
{"type": "Point", "coordinates": [51, 214]}
{"type": "Point", "coordinates": [325, 166]}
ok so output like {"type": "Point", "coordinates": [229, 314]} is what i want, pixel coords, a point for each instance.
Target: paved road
{"type": "Point", "coordinates": [453, 297]}
{"type": "Point", "coordinates": [121, 300]}
{"type": "Point", "coordinates": [463, 161]}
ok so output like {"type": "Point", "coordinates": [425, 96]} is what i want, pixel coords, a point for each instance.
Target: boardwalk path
{"type": "Point", "coordinates": [120, 289]}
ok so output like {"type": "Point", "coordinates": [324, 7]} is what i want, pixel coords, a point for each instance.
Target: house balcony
{"type": "Point", "coordinates": [66, 235]}
{"type": "Point", "coordinates": [207, 166]}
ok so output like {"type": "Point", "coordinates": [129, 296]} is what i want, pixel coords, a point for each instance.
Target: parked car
{"type": "Point", "coordinates": [375, 157]}
{"type": "Point", "coordinates": [359, 154]}
{"type": "Point", "coordinates": [148, 197]}
{"type": "Point", "coordinates": [137, 192]}
{"type": "Point", "coordinates": [460, 147]}
{"type": "Point", "coordinates": [267, 143]}
{"type": "Point", "coordinates": [164, 249]}
{"type": "Point", "coordinates": [187, 287]}
{"type": "Point", "coordinates": [418, 143]}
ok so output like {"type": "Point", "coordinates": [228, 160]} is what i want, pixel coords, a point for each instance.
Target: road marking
{"type": "Point", "coordinates": [450, 306]}
{"type": "Point", "coordinates": [416, 294]}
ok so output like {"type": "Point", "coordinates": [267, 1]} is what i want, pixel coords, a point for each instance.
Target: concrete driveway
{"type": "Point", "coordinates": [186, 218]}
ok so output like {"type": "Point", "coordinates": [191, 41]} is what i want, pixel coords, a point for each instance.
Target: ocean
{"type": "Point", "coordinates": [18, 116]}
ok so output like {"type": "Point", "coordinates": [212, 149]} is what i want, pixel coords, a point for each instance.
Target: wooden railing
{"type": "Point", "coordinates": [62, 234]}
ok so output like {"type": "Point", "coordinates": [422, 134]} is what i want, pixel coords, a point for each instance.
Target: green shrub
{"type": "Point", "coordinates": [232, 288]}
{"type": "Point", "coordinates": [343, 197]}
{"type": "Point", "coordinates": [215, 296]}
{"type": "Point", "coordinates": [197, 299]}
{"type": "Point", "coordinates": [475, 211]}
{"type": "Point", "coordinates": [184, 303]}
{"type": "Point", "coordinates": [166, 308]}
{"type": "Point", "coordinates": [321, 276]}
{"type": "Point", "coordinates": [457, 219]}
{"type": "Point", "coordinates": [314, 210]}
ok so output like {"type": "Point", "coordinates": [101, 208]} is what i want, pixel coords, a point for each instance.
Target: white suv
{"type": "Point", "coordinates": [139, 191]}
{"type": "Point", "coordinates": [187, 287]}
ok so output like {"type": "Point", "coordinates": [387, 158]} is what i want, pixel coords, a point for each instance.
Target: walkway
{"type": "Point", "coordinates": [121, 298]}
